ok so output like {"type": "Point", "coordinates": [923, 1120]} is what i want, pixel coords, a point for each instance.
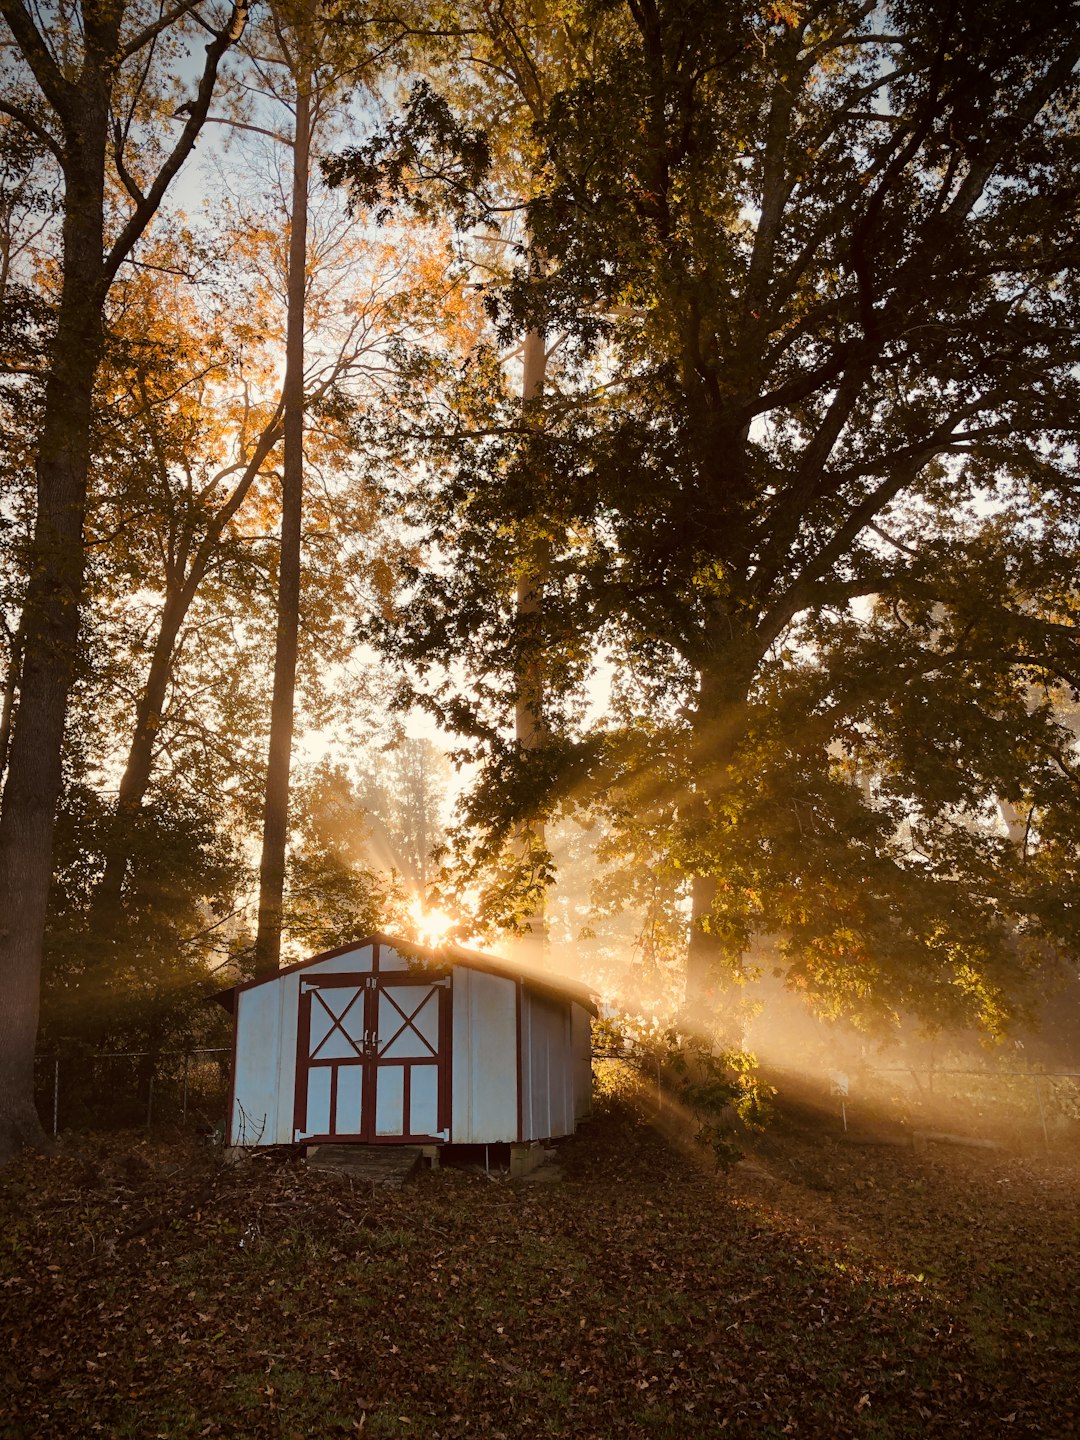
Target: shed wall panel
{"type": "Point", "coordinates": [265, 1077]}
{"type": "Point", "coordinates": [289, 989]}
{"type": "Point", "coordinates": [255, 1081]}
{"type": "Point", "coordinates": [562, 1057]}
{"type": "Point", "coordinates": [547, 1068]}
{"type": "Point", "coordinates": [484, 1059]}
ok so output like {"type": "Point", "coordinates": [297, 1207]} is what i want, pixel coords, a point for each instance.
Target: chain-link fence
{"type": "Point", "coordinates": [1029, 1109]}
{"type": "Point", "coordinates": [123, 1088]}
{"type": "Point", "coordinates": [991, 1102]}
{"type": "Point", "coordinates": [1025, 1108]}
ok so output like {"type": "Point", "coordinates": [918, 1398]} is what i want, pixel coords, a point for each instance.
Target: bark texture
{"type": "Point", "coordinates": [719, 725]}
{"type": "Point", "coordinates": [279, 762]}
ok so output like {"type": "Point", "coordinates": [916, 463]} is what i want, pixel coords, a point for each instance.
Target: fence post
{"type": "Point", "coordinates": [1042, 1112]}
{"type": "Point", "coordinates": [56, 1097]}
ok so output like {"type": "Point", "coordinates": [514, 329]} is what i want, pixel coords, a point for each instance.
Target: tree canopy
{"type": "Point", "coordinates": [807, 475]}
{"type": "Point", "coordinates": [682, 399]}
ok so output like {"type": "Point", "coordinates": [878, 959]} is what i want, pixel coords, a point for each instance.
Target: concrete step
{"type": "Point", "coordinates": [387, 1166]}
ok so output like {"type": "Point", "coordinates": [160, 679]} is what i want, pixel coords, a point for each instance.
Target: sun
{"type": "Point", "coordinates": [432, 926]}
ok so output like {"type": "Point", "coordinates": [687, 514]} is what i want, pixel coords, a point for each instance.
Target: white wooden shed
{"type": "Point", "coordinates": [387, 1042]}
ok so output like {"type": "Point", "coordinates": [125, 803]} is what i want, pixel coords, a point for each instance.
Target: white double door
{"type": "Point", "coordinates": [372, 1058]}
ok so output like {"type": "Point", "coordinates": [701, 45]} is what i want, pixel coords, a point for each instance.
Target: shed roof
{"type": "Point", "coordinates": [533, 977]}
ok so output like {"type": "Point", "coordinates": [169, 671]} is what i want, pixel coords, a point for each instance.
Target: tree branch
{"type": "Point", "coordinates": [799, 593]}
{"type": "Point", "coordinates": [35, 127]}
{"type": "Point", "coordinates": [782, 521]}
{"type": "Point", "coordinates": [145, 211]}
{"type": "Point", "coordinates": [54, 86]}
{"type": "Point", "coordinates": [254, 129]}
{"type": "Point", "coordinates": [126, 178]}
{"type": "Point", "coordinates": [161, 24]}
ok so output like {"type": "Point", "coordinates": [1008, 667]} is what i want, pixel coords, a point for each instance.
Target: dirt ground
{"type": "Point", "coordinates": [819, 1288]}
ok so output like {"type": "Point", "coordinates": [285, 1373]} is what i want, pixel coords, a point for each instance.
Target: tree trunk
{"type": "Point", "coordinates": [276, 807]}
{"type": "Point", "coordinates": [11, 689]}
{"type": "Point", "coordinates": [50, 629]}
{"type": "Point", "coordinates": [719, 725]}
{"type": "Point", "coordinates": [704, 955]}
{"type": "Point", "coordinates": [180, 594]}
{"type": "Point", "coordinates": [1016, 824]}
{"type": "Point", "coordinates": [140, 760]}
{"type": "Point", "coordinates": [80, 108]}
{"type": "Point", "coordinates": [529, 710]}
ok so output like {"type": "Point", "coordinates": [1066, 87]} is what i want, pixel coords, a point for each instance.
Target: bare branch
{"type": "Point", "coordinates": [246, 125]}
{"type": "Point", "coordinates": [126, 178]}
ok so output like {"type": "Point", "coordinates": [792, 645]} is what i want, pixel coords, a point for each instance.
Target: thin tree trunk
{"type": "Point", "coordinates": [276, 808]}
{"type": "Point", "coordinates": [1016, 824]}
{"type": "Point", "coordinates": [529, 710]}
{"type": "Point", "coordinates": [148, 713]}
{"type": "Point", "coordinates": [137, 770]}
{"type": "Point", "coordinates": [11, 689]}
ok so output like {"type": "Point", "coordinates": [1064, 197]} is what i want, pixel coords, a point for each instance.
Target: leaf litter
{"type": "Point", "coordinates": [149, 1290]}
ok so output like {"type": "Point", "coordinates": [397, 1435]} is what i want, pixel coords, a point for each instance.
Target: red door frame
{"type": "Point", "coordinates": [372, 985]}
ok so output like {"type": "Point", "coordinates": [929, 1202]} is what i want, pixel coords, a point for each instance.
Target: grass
{"type": "Point", "coordinates": [816, 1291]}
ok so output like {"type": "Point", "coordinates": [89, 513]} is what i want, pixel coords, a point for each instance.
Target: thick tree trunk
{"type": "Point", "coordinates": [719, 725]}
{"type": "Point", "coordinates": [529, 711]}
{"type": "Point", "coordinates": [704, 955]}
{"type": "Point", "coordinates": [80, 109]}
{"type": "Point", "coordinates": [51, 631]}
{"type": "Point", "coordinates": [276, 808]}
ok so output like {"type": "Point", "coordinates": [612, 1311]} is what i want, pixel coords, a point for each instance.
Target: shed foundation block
{"type": "Point", "coordinates": [525, 1158]}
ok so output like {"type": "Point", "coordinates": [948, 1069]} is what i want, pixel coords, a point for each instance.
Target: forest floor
{"type": "Point", "coordinates": [818, 1289]}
